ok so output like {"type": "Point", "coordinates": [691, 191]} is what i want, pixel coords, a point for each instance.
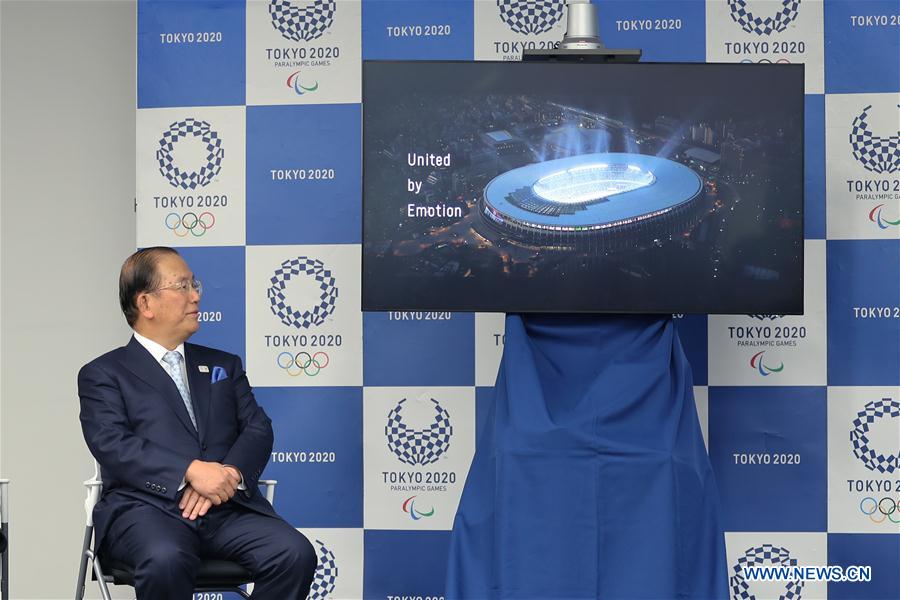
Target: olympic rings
{"type": "Point", "coordinates": [766, 61]}
{"type": "Point", "coordinates": [887, 508]}
{"type": "Point", "coordinates": [190, 223]}
{"type": "Point", "coordinates": [296, 364]}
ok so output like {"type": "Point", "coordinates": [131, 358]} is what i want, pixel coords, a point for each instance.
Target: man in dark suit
{"type": "Point", "coordinates": [181, 444]}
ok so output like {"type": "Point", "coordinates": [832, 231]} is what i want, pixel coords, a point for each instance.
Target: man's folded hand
{"type": "Point", "coordinates": [212, 480]}
{"type": "Point", "coordinates": [193, 505]}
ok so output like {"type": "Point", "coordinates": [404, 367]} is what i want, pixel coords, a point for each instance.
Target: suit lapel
{"type": "Point", "coordinates": [141, 363]}
{"type": "Point", "coordinates": [200, 387]}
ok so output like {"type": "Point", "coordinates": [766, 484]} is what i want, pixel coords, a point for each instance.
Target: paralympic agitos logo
{"type": "Point", "coordinates": [876, 215]}
{"type": "Point", "coordinates": [878, 154]}
{"type": "Point", "coordinates": [293, 82]}
{"type": "Point", "coordinates": [409, 507]}
{"type": "Point", "coordinates": [764, 367]}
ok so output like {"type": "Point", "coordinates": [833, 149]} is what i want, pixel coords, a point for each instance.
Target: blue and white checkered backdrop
{"type": "Point", "coordinates": [248, 161]}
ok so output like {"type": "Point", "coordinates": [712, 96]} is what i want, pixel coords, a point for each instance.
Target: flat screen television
{"type": "Point", "coordinates": [573, 187]}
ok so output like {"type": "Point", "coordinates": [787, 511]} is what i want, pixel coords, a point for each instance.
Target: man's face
{"type": "Point", "coordinates": [175, 311]}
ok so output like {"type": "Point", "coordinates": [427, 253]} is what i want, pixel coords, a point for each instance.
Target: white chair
{"type": "Point", "coordinates": [214, 575]}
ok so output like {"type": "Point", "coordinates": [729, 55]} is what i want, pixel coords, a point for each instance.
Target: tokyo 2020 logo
{"type": "Point", "coordinates": [873, 459]}
{"type": "Point", "coordinates": [303, 23]}
{"type": "Point", "coordinates": [307, 315]}
{"type": "Point", "coordinates": [766, 25]}
{"type": "Point", "coordinates": [178, 176]}
{"type": "Point", "coordinates": [531, 16]}
{"type": "Point", "coordinates": [325, 576]}
{"type": "Point", "coordinates": [763, 555]}
{"type": "Point", "coordinates": [878, 154]}
{"type": "Point", "coordinates": [418, 446]}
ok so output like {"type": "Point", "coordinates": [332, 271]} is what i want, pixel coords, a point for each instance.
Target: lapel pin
{"type": "Point", "coordinates": [203, 368]}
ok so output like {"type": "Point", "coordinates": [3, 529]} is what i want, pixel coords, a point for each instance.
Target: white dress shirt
{"type": "Point", "coordinates": [157, 351]}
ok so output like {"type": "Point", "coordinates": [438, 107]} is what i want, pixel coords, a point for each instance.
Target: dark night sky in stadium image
{"type": "Point", "coordinates": [539, 187]}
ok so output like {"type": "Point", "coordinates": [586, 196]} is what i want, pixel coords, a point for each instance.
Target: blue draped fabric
{"type": "Point", "coordinates": [590, 479]}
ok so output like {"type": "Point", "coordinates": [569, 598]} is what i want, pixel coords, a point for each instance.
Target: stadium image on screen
{"type": "Point", "coordinates": [525, 187]}
{"type": "Point", "coordinates": [602, 201]}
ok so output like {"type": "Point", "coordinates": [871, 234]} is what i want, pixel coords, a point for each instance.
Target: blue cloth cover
{"type": "Point", "coordinates": [590, 479]}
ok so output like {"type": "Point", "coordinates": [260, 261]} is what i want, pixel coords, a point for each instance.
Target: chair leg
{"type": "Point", "coordinates": [4, 565]}
{"type": "Point", "coordinates": [82, 568]}
{"type": "Point", "coordinates": [101, 581]}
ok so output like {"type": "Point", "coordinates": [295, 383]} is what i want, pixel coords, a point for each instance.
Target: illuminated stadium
{"type": "Point", "coordinates": [605, 201]}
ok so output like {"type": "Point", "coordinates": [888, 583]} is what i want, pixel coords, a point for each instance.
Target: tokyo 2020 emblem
{"type": "Point", "coordinates": [418, 446]}
{"type": "Point", "coordinates": [764, 26]}
{"type": "Point", "coordinates": [308, 315]}
{"type": "Point", "coordinates": [875, 153]}
{"type": "Point", "coordinates": [873, 411]}
{"type": "Point", "coordinates": [302, 21]}
{"type": "Point", "coordinates": [531, 16]}
{"type": "Point", "coordinates": [325, 576]}
{"type": "Point", "coordinates": [179, 177]}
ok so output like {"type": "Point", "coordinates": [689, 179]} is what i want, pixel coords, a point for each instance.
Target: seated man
{"type": "Point", "coordinates": [181, 444]}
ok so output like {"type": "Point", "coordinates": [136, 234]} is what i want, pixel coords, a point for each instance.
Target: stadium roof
{"type": "Point", "coordinates": [674, 184]}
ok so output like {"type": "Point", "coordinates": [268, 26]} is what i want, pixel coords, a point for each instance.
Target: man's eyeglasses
{"type": "Point", "coordinates": [182, 286]}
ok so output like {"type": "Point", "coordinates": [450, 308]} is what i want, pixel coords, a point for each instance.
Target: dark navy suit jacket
{"type": "Point", "coordinates": [137, 427]}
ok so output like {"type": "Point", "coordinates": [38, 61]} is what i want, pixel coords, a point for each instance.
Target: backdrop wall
{"type": "Point", "coordinates": [248, 160]}
{"type": "Point", "coordinates": [68, 94]}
